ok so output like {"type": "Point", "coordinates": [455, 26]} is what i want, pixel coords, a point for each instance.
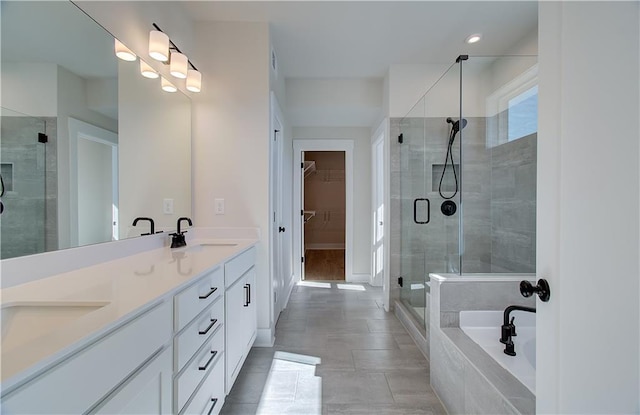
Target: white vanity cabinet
{"type": "Point", "coordinates": [241, 323]}
{"type": "Point", "coordinates": [101, 371]}
{"type": "Point", "coordinates": [199, 343]}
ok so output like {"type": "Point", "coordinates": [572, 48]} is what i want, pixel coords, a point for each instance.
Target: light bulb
{"type": "Point", "coordinates": [124, 52]}
{"type": "Point", "coordinates": [474, 38]}
{"type": "Point", "coordinates": [147, 71]}
{"type": "Point", "coordinates": [159, 45]}
{"type": "Point", "coordinates": [167, 86]}
{"type": "Point", "coordinates": [179, 65]}
{"type": "Point", "coordinates": [194, 80]}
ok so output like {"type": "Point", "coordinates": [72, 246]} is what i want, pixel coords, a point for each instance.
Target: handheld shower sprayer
{"type": "Point", "coordinates": [456, 126]}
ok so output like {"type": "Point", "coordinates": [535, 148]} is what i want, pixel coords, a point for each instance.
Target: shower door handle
{"type": "Point", "coordinates": [415, 211]}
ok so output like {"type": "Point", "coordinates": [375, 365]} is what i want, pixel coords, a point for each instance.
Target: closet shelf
{"type": "Point", "coordinates": [309, 168]}
{"type": "Point", "coordinates": [308, 214]}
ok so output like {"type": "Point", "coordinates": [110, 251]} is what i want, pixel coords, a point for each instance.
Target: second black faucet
{"type": "Point", "coordinates": [177, 239]}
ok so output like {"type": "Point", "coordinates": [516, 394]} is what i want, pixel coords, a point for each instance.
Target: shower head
{"type": "Point", "coordinates": [456, 124]}
{"type": "Point", "coordinates": [455, 127]}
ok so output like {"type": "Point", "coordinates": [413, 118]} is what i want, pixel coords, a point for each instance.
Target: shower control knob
{"type": "Point", "coordinates": [542, 289]}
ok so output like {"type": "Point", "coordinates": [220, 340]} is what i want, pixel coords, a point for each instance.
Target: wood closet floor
{"type": "Point", "coordinates": [324, 264]}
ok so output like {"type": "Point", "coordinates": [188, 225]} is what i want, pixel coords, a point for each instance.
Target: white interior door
{"type": "Point", "coordinates": [302, 216]}
{"type": "Point", "coordinates": [277, 228]}
{"type": "Point", "coordinates": [378, 212]}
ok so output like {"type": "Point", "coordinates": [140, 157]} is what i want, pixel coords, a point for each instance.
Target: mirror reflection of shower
{"type": "Point", "coordinates": [455, 128]}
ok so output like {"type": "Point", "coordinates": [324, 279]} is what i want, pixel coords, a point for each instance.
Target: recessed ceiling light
{"type": "Point", "coordinates": [474, 38]}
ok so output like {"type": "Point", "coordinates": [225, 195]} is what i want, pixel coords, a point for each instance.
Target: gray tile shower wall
{"type": "Point", "coordinates": [29, 222]}
{"type": "Point", "coordinates": [513, 206]}
{"type": "Point", "coordinates": [498, 188]}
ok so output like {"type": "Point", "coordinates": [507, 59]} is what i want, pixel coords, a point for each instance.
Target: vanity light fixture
{"type": "Point", "coordinates": [178, 65]}
{"type": "Point", "coordinates": [167, 86]}
{"type": "Point", "coordinates": [194, 80]}
{"type": "Point", "coordinates": [159, 45]}
{"type": "Point", "coordinates": [124, 52]}
{"type": "Point", "coordinates": [147, 71]}
{"type": "Point", "coordinates": [474, 38]}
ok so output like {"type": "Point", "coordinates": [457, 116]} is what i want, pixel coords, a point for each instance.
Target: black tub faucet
{"type": "Point", "coordinates": [177, 239]}
{"type": "Point", "coordinates": [153, 225]}
{"type": "Point", "coordinates": [509, 329]}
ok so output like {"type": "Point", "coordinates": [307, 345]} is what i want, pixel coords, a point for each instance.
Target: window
{"type": "Point", "coordinates": [522, 114]}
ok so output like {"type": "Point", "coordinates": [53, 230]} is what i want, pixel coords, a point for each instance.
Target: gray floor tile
{"type": "Point", "coordinates": [388, 360]}
{"type": "Point", "coordinates": [345, 356]}
{"type": "Point", "coordinates": [355, 387]}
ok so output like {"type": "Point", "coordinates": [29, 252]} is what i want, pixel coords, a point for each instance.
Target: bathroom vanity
{"type": "Point", "coordinates": [161, 331]}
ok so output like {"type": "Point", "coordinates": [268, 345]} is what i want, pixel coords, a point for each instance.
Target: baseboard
{"type": "Point", "coordinates": [265, 338]}
{"type": "Point", "coordinates": [289, 290]}
{"type": "Point", "coordinates": [360, 278]}
{"type": "Point", "coordinates": [313, 247]}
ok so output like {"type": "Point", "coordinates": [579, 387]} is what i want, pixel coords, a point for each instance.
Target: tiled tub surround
{"type": "Point", "coordinates": [463, 375]}
{"type": "Point", "coordinates": [484, 327]}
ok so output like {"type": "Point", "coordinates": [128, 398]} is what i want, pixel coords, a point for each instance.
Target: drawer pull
{"type": "Point", "coordinates": [249, 285]}
{"type": "Point", "coordinates": [205, 331]}
{"type": "Point", "coordinates": [213, 355]}
{"type": "Point", "coordinates": [246, 295]}
{"type": "Point", "coordinates": [214, 289]}
{"type": "Point", "coordinates": [215, 401]}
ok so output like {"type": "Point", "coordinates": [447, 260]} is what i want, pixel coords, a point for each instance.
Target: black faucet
{"type": "Point", "coordinates": [509, 329]}
{"type": "Point", "coordinates": [153, 225]}
{"type": "Point", "coordinates": [177, 239]}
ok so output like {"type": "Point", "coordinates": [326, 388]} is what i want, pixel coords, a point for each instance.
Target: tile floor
{"type": "Point", "coordinates": [336, 352]}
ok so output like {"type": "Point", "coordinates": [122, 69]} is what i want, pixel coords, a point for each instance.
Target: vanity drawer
{"type": "Point", "coordinates": [197, 332]}
{"type": "Point", "coordinates": [209, 399]}
{"type": "Point", "coordinates": [191, 301]}
{"type": "Point", "coordinates": [237, 266]}
{"type": "Point", "coordinates": [194, 371]}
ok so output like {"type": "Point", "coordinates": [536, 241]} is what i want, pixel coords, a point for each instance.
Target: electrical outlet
{"type": "Point", "coordinates": [219, 206]}
{"type": "Point", "coordinates": [167, 206]}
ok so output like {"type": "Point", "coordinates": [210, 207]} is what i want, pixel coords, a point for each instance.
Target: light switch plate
{"type": "Point", "coordinates": [219, 206]}
{"type": "Point", "coordinates": [167, 206]}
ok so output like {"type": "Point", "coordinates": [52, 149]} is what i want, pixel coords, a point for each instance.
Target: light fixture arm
{"type": "Point", "coordinates": [174, 47]}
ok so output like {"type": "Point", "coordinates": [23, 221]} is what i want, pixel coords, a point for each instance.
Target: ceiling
{"type": "Point", "coordinates": [356, 39]}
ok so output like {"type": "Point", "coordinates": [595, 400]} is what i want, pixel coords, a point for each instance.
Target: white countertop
{"type": "Point", "coordinates": [117, 290]}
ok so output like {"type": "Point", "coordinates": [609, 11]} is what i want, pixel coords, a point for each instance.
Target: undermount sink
{"type": "Point", "coordinates": [23, 322]}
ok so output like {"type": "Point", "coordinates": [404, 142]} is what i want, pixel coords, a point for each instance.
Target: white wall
{"type": "Point", "coordinates": [231, 136]}
{"type": "Point", "coordinates": [588, 351]}
{"type": "Point", "coordinates": [334, 102]}
{"type": "Point", "coordinates": [154, 150]}
{"type": "Point", "coordinates": [30, 88]}
{"type": "Point", "coordinates": [361, 185]}
{"type": "Point", "coordinates": [72, 102]}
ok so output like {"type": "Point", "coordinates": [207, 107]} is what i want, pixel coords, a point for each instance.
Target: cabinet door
{"type": "Point", "coordinates": [235, 325]}
{"type": "Point", "coordinates": [147, 392]}
{"type": "Point", "coordinates": [251, 319]}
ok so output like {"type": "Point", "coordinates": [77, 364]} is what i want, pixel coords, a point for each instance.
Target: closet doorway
{"type": "Point", "coordinates": [323, 194]}
{"type": "Point", "coordinates": [324, 215]}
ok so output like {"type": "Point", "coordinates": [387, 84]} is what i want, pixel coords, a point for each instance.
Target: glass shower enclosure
{"type": "Point", "coordinates": [467, 181]}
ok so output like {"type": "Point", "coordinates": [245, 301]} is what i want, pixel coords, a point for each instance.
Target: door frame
{"type": "Point", "coordinates": [81, 130]}
{"type": "Point", "coordinates": [382, 133]}
{"type": "Point", "coordinates": [277, 291]}
{"type": "Point", "coordinates": [300, 146]}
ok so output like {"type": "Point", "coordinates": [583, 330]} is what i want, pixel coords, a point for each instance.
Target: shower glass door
{"type": "Point", "coordinates": [23, 167]}
{"type": "Point", "coordinates": [430, 176]}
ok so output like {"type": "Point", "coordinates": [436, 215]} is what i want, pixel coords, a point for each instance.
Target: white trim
{"type": "Point", "coordinates": [366, 278]}
{"type": "Point", "coordinates": [265, 338]}
{"type": "Point", "coordinates": [275, 207]}
{"type": "Point", "coordinates": [323, 145]}
{"type": "Point", "coordinates": [80, 129]}
{"type": "Point", "coordinates": [321, 247]}
{"type": "Point", "coordinates": [383, 129]}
